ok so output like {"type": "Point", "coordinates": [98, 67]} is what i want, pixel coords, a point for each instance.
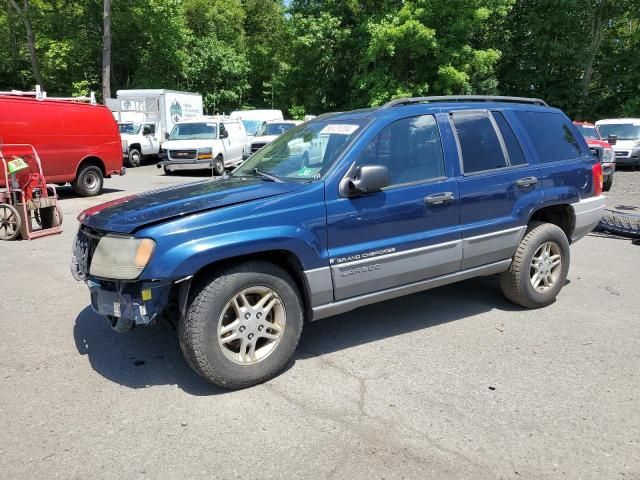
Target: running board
{"type": "Point", "coordinates": [336, 308]}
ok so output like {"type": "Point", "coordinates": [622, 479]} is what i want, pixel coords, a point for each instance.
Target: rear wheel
{"type": "Point", "coordinates": [89, 181]}
{"type": "Point", "coordinates": [539, 268]}
{"type": "Point", "coordinates": [10, 222]}
{"type": "Point", "coordinates": [242, 325]}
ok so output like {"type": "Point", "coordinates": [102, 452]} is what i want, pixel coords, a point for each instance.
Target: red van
{"type": "Point", "coordinates": [76, 142]}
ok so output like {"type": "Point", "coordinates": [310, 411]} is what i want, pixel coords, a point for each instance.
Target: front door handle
{"type": "Point", "coordinates": [526, 181]}
{"type": "Point", "coordinates": [439, 198]}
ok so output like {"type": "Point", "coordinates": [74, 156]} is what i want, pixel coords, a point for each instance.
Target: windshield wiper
{"type": "Point", "coordinates": [269, 176]}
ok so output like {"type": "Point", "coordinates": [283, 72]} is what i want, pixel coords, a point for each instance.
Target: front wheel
{"type": "Point", "coordinates": [606, 185]}
{"type": "Point", "coordinates": [89, 181]}
{"type": "Point", "coordinates": [218, 165]}
{"type": "Point", "coordinates": [242, 325]}
{"type": "Point", "coordinates": [539, 268]}
{"type": "Point", "coordinates": [135, 157]}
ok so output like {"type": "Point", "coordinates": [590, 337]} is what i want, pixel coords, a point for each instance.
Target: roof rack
{"type": "Point", "coordinates": [464, 98]}
{"type": "Point", "coordinates": [40, 94]}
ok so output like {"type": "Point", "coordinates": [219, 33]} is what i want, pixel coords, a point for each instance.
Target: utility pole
{"type": "Point", "coordinates": [106, 51]}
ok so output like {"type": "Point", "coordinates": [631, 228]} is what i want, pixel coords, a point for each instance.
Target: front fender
{"type": "Point", "coordinates": [188, 258]}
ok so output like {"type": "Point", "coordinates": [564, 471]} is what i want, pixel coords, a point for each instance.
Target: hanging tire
{"type": "Point", "coordinates": [218, 165]}
{"type": "Point", "coordinates": [539, 268]}
{"type": "Point", "coordinates": [10, 222]}
{"type": "Point", "coordinates": [242, 325]}
{"type": "Point", "coordinates": [135, 158]}
{"type": "Point", "coordinates": [89, 181]}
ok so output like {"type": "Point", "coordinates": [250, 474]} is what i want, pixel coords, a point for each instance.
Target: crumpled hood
{"type": "Point", "coordinates": [125, 215]}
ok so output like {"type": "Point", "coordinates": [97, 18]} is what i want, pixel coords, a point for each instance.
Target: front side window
{"type": "Point", "coordinates": [303, 153]}
{"type": "Point", "coordinates": [551, 135]}
{"type": "Point", "coordinates": [479, 142]}
{"type": "Point", "coordinates": [193, 131]}
{"type": "Point", "coordinates": [410, 149]}
{"type": "Point", "coordinates": [624, 131]}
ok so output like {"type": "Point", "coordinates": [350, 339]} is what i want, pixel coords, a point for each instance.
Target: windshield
{"type": "Point", "coordinates": [193, 131]}
{"type": "Point", "coordinates": [252, 126]}
{"type": "Point", "coordinates": [305, 152]}
{"type": "Point", "coordinates": [588, 131]}
{"type": "Point", "coordinates": [274, 129]}
{"type": "Point", "coordinates": [129, 128]}
{"type": "Point", "coordinates": [624, 131]}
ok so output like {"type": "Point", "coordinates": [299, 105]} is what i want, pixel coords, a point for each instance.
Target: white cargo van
{"type": "Point", "coordinates": [211, 143]}
{"type": "Point", "coordinates": [146, 116]}
{"type": "Point", "coordinates": [253, 119]}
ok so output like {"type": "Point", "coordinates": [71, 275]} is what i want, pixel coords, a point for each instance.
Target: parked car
{"type": "Point", "coordinates": [625, 134]}
{"type": "Point", "coordinates": [269, 132]}
{"type": "Point", "coordinates": [212, 143]}
{"type": "Point", "coordinates": [146, 116]}
{"type": "Point", "coordinates": [77, 142]}
{"type": "Point", "coordinates": [413, 195]}
{"type": "Point", "coordinates": [601, 150]}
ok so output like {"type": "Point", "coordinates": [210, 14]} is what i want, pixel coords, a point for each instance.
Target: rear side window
{"type": "Point", "coordinates": [551, 135]}
{"type": "Point", "coordinates": [479, 143]}
{"type": "Point", "coordinates": [514, 150]}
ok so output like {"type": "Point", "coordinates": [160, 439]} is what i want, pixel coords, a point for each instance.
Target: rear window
{"type": "Point", "coordinates": [516, 157]}
{"type": "Point", "coordinates": [552, 136]}
{"type": "Point", "coordinates": [479, 143]}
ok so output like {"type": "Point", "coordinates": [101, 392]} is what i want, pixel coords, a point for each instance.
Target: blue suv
{"type": "Point", "coordinates": [343, 211]}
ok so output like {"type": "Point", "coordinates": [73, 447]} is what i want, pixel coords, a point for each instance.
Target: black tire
{"type": "Point", "coordinates": [606, 185]}
{"type": "Point", "coordinates": [89, 181]}
{"type": "Point", "coordinates": [516, 281]}
{"type": "Point", "coordinates": [135, 158]}
{"type": "Point", "coordinates": [198, 330]}
{"type": "Point", "coordinates": [10, 222]}
{"type": "Point", "coordinates": [620, 223]}
{"type": "Point", "coordinates": [167, 171]}
{"type": "Point", "coordinates": [218, 165]}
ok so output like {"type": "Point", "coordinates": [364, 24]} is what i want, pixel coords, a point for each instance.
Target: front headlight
{"type": "Point", "coordinates": [205, 153]}
{"type": "Point", "coordinates": [121, 258]}
{"type": "Point", "coordinates": [607, 155]}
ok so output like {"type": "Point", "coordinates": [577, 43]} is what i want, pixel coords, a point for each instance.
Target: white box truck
{"type": "Point", "coordinates": [146, 117]}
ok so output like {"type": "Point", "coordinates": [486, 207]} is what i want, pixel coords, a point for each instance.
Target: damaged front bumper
{"type": "Point", "coordinates": [138, 303]}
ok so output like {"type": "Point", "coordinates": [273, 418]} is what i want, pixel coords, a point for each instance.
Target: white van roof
{"type": "Point", "coordinates": [614, 121]}
{"type": "Point", "coordinates": [263, 115]}
{"type": "Point", "coordinates": [141, 92]}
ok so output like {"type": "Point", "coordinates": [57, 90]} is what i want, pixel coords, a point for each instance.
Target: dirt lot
{"type": "Point", "coordinates": [451, 383]}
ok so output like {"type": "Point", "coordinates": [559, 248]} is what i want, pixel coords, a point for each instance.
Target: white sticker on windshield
{"type": "Point", "coordinates": [339, 129]}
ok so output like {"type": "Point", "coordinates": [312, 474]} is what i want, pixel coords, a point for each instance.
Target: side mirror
{"type": "Point", "coordinates": [166, 135]}
{"type": "Point", "coordinates": [612, 139]}
{"type": "Point", "coordinates": [368, 179]}
{"type": "Point", "coordinates": [224, 134]}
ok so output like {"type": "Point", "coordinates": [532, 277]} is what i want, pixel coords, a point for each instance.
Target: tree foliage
{"type": "Point", "coordinates": [312, 56]}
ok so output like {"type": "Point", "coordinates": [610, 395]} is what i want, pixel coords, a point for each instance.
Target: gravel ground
{"type": "Point", "coordinates": [625, 191]}
{"type": "Point", "coordinates": [451, 383]}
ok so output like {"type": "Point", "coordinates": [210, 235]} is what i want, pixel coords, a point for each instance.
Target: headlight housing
{"type": "Point", "coordinates": [205, 153]}
{"type": "Point", "coordinates": [607, 155]}
{"type": "Point", "coordinates": [121, 258]}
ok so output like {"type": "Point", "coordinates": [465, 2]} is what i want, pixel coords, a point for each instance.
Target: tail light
{"type": "Point", "coordinates": [596, 169]}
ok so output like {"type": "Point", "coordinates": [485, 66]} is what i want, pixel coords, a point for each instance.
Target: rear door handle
{"type": "Point", "coordinates": [526, 181]}
{"type": "Point", "coordinates": [439, 198]}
